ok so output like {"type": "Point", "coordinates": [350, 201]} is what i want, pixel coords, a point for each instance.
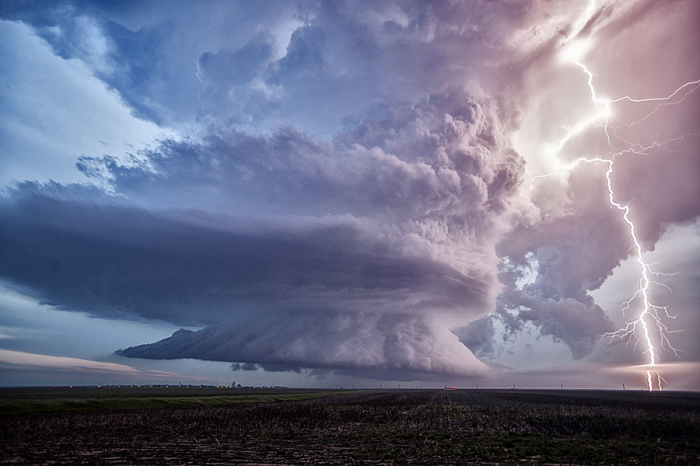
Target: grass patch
{"type": "Point", "coordinates": [18, 401]}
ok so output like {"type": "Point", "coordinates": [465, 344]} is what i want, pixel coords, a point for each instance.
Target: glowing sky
{"type": "Point", "coordinates": [346, 193]}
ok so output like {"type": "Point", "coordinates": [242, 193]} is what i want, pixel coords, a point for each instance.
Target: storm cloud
{"type": "Point", "coordinates": [365, 344]}
{"type": "Point", "coordinates": [369, 188]}
{"type": "Point", "coordinates": [386, 232]}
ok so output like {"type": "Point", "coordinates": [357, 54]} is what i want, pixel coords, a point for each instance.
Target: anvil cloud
{"type": "Point", "coordinates": [341, 187]}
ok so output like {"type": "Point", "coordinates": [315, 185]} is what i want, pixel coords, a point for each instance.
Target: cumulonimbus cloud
{"type": "Point", "coordinates": [405, 250]}
{"type": "Point", "coordinates": [357, 250]}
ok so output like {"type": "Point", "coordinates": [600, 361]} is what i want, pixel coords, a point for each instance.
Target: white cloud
{"type": "Point", "coordinates": [55, 110]}
{"type": "Point", "coordinates": [56, 362]}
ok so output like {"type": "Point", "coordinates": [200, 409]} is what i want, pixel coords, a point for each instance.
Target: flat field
{"type": "Point", "coordinates": [219, 426]}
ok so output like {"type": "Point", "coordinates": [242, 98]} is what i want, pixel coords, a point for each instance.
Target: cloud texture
{"type": "Point", "coordinates": [387, 232]}
{"type": "Point", "coordinates": [350, 185]}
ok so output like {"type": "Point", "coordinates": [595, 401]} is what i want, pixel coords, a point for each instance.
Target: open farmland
{"type": "Point", "coordinates": [363, 427]}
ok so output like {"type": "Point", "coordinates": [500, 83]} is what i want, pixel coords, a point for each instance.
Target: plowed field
{"type": "Point", "coordinates": [367, 427]}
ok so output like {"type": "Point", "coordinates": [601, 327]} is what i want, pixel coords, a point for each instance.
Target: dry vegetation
{"type": "Point", "coordinates": [370, 427]}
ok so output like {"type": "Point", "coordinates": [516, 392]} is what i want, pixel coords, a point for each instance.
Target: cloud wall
{"type": "Point", "coordinates": [386, 232]}
{"type": "Point", "coordinates": [351, 185]}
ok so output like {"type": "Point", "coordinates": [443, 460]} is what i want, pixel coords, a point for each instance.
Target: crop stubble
{"type": "Point", "coordinates": [373, 427]}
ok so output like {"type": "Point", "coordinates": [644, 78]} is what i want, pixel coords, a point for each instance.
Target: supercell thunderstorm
{"type": "Point", "coordinates": [387, 190]}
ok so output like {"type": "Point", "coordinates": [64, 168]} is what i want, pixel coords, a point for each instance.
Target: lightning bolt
{"type": "Point", "coordinates": [651, 316]}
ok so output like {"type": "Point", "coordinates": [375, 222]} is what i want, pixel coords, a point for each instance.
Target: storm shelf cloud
{"type": "Point", "coordinates": [392, 257]}
{"type": "Point", "coordinates": [355, 188]}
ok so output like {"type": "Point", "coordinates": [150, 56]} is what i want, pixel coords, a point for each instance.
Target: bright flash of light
{"type": "Point", "coordinates": [651, 317]}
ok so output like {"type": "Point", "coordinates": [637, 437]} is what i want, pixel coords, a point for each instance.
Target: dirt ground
{"type": "Point", "coordinates": [372, 427]}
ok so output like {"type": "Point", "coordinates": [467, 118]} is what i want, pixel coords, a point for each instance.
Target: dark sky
{"type": "Point", "coordinates": [350, 192]}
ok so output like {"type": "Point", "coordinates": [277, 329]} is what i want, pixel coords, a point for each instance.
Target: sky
{"type": "Point", "coordinates": [365, 193]}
